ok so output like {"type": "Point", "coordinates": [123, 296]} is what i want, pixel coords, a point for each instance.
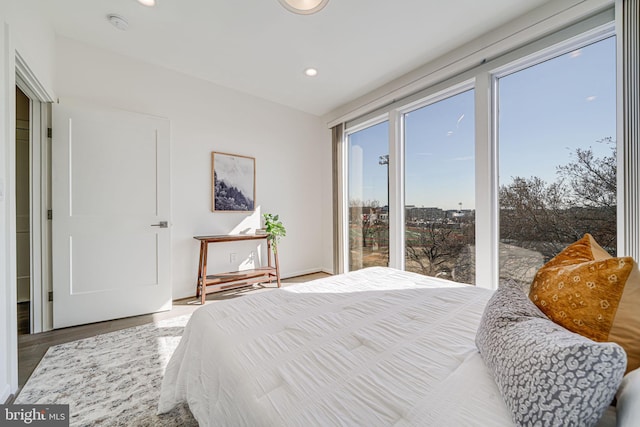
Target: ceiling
{"type": "Point", "coordinates": [260, 48]}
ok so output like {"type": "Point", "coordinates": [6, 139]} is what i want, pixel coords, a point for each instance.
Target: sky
{"type": "Point", "coordinates": [545, 113]}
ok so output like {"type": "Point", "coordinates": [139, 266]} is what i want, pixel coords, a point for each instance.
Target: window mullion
{"type": "Point", "coordinates": [486, 184]}
{"type": "Point", "coordinates": [396, 191]}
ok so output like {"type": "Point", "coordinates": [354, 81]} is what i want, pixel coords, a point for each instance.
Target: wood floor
{"type": "Point", "coordinates": [23, 318]}
{"type": "Point", "coordinates": [31, 348]}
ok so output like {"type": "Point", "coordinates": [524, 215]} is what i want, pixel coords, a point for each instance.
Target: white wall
{"type": "Point", "coordinates": [5, 289]}
{"type": "Point", "coordinates": [33, 38]}
{"type": "Point", "coordinates": [25, 32]}
{"type": "Point", "coordinates": [327, 218]}
{"type": "Point", "coordinates": [292, 151]}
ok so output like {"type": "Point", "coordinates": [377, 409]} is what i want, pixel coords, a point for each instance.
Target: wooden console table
{"type": "Point", "coordinates": [234, 279]}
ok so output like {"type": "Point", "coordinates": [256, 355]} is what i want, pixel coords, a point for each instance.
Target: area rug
{"type": "Point", "coordinates": [111, 379]}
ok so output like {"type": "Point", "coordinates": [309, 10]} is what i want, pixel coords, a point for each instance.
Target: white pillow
{"type": "Point", "coordinates": [628, 406]}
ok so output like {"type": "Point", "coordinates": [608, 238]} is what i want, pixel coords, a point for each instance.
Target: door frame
{"type": "Point", "coordinates": [40, 195]}
{"type": "Point", "coordinates": [13, 65]}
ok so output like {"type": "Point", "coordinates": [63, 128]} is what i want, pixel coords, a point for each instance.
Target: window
{"type": "Point", "coordinates": [557, 157]}
{"type": "Point", "coordinates": [368, 196]}
{"type": "Point", "coordinates": [494, 170]}
{"type": "Point", "coordinates": [439, 188]}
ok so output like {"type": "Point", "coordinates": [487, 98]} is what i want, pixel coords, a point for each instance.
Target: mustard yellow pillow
{"type": "Point", "coordinates": [593, 294]}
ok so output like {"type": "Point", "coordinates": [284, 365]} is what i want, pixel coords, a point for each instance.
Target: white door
{"type": "Point", "coordinates": [111, 190]}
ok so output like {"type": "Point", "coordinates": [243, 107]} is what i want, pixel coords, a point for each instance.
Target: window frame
{"type": "Point", "coordinates": [567, 45]}
{"type": "Point", "coordinates": [344, 185]}
{"type": "Point", "coordinates": [483, 79]}
{"type": "Point", "coordinates": [400, 206]}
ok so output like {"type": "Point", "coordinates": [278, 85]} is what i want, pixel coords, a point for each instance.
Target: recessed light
{"type": "Point", "coordinates": [311, 72]}
{"type": "Point", "coordinates": [147, 2]}
{"type": "Point", "coordinates": [118, 21]}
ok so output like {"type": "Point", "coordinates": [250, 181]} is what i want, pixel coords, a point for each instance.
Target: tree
{"type": "Point", "coordinates": [593, 183]}
{"type": "Point", "coordinates": [435, 247]}
{"type": "Point", "coordinates": [547, 216]}
{"type": "Point", "coordinates": [364, 216]}
{"type": "Point", "coordinates": [531, 214]}
{"type": "Point", "coordinates": [592, 179]}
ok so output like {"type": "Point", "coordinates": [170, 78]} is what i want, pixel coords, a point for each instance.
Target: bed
{"type": "Point", "coordinates": [375, 347]}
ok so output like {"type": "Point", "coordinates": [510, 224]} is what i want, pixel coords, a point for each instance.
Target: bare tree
{"type": "Point", "coordinates": [546, 217]}
{"type": "Point", "coordinates": [593, 184]}
{"type": "Point", "coordinates": [531, 214]}
{"type": "Point", "coordinates": [364, 216]}
{"type": "Point", "coordinates": [435, 248]}
{"type": "Point", "coordinates": [592, 179]}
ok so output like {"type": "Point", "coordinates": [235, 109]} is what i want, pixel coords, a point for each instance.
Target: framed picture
{"type": "Point", "coordinates": [233, 181]}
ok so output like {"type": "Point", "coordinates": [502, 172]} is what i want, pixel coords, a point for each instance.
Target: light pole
{"type": "Point", "coordinates": [384, 161]}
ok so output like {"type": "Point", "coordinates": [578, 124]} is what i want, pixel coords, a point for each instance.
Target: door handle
{"type": "Point", "coordinates": [161, 224]}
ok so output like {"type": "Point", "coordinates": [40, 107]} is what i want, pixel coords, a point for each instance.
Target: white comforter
{"type": "Point", "coordinates": [376, 347]}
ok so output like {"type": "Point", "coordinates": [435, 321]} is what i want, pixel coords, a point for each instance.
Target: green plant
{"type": "Point", "coordinates": [274, 229]}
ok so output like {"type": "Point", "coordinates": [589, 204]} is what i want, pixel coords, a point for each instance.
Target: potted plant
{"type": "Point", "coordinates": [274, 229]}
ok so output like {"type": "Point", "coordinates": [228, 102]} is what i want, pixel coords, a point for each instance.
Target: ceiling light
{"type": "Point", "coordinates": [304, 7]}
{"type": "Point", "coordinates": [118, 21]}
{"type": "Point", "coordinates": [147, 2]}
{"type": "Point", "coordinates": [311, 72]}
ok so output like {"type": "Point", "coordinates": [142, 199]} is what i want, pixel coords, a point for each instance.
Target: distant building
{"type": "Point", "coordinates": [457, 213]}
{"type": "Point", "coordinates": [423, 215]}
{"type": "Point", "coordinates": [368, 214]}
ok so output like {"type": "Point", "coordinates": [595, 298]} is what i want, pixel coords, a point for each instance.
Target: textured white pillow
{"type": "Point", "coordinates": [628, 395]}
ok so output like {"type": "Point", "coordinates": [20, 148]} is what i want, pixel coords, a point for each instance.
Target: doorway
{"type": "Point", "coordinates": [32, 206]}
{"type": "Point", "coordinates": [36, 312]}
{"type": "Point", "coordinates": [23, 212]}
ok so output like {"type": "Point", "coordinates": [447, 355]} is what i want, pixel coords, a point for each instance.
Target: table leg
{"type": "Point", "coordinates": [275, 255]}
{"type": "Point", "coordinates": [203, 290]}
{"type": "Point", "coordinates": [199, 281]}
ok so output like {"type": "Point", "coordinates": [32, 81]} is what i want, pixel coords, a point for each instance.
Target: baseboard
{"type": "Point", "coordinates": [301, 273]}
{"type": "Point", "coordinates": [327, 271]}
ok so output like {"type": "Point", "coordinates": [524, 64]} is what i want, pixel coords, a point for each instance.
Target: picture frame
{"type": "Point", "coordinates": [233, 182]}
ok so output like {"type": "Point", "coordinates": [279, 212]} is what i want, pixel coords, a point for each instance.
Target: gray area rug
{"type": "Point", "coordinates": [111, 379]}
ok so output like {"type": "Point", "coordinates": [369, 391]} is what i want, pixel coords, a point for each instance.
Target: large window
{"type": "Point", "coordinates": [368, 196]}
{"type": "Point", "coordinates": [557, 127]}
{"type": "Point", "coordinates": [439, 189]}
{"type": "Point", "coordinates": [488, 175]}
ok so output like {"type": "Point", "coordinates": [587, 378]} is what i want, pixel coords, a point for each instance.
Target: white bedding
{"type": "Point", "coordinates": [376, 347]}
